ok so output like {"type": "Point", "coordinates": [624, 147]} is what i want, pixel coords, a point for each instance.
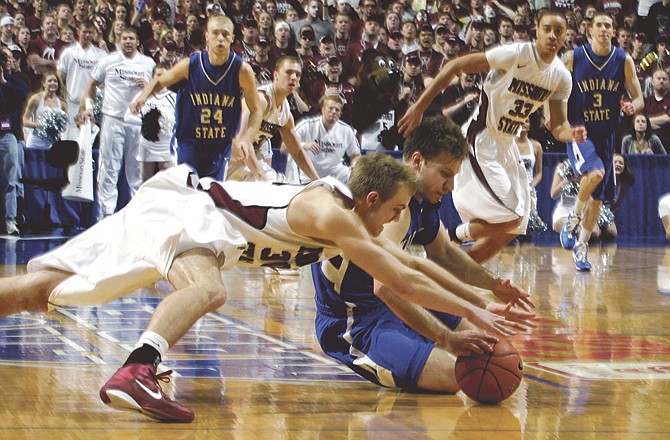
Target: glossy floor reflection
{"type": "Point", "coordinates": [597, 367]}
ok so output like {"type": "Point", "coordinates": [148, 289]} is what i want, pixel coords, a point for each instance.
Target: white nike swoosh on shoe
{"type": "Point", "coordinates": [155, 394]}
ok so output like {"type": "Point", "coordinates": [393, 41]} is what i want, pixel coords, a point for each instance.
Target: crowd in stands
{"type": "Point", "coordinates": [52, 49]}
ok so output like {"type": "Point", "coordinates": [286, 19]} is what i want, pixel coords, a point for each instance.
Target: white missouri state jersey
{"type": "Point", "coordinates": [119, 73]}
{"type": "Point", "coordinates": [257, 210]}
{"type": "Point", "coordinates": [518, 84]}
{"type": "Point", "coordinates": [78, 64]}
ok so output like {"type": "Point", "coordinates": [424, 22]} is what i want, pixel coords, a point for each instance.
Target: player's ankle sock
{"type": "Point", "coordinates": [463, 232]}
{"type": "Point", "coordinates": [584, 235]}
{"type": "Point", "coordinates": [452, 236]}
{"type": "Point", "coordinates": [150, 349]}
{"type": "Point", "coordinates": [146, 354]}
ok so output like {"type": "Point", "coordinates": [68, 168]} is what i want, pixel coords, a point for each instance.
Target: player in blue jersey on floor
{"type": "Point", "coordinates": [604, 85]}
{"type": "Point", "coordinates": [209, 102]}
{"type": "Point", "coordinates": [382, 335]}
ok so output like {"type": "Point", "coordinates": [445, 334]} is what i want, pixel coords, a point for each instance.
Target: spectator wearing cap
{"type": "Point", "coordinates": [370, 39]}
{"type": "Point", "coordinates": [412, 79]}
{"type": "Point", "coordinates": [342, 33]}
{"type": "Point", "coordinates": [521, 33]}
{"type": "Point", "coordinates": [318, 18]}
{"type": "Point", "coordinates": [658, 59]}
{"type": "Point", "coordinates": [441, 34]}
{"type": "Point", "coordinates": [331, 84]}
{"type": "Point", "coordinates": [474, 36]}
{"type": "Point", "coordinates": [167, 56]}
{"type": "Point", "coordinates": [306, 47]}
{"type": "Point", "coordinates": [244, 46]}
{"type": "Point", "coordinates": [431, 60]}
{"type": "Point", "coordinates": [394, 43]}
{"type": "Point", "coordinates": [282, 42]}
{"type": "Point", "coordinates": [43, 52]}
{"type": "Point", "coordinates": [7, 34]}
{"type": "Point", "coordinates": [183, 49]}
{"type": "Point", "coordinates": [452, 48]}
{"type": "Point", "coordinates": [262, 64]}
{"type": "Point", "coordinates": [326, 50]}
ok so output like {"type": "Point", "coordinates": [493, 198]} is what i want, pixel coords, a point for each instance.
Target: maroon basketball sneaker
{"type": "Point", "coordinates": [135, 387]}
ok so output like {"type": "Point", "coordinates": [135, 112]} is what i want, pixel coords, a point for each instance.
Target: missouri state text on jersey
{"type": "Point", "coordinates": [516, 86]}
{"type": "Point", "coordinates": [530, 96]}
{"type": "Point", "coordinates": [209, 104]}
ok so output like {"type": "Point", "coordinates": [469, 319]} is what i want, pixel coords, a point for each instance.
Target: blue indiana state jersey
{"type": "Point", "coordinates": [598, 84]}
{"type": "Point", "coordinates": [208, 105]}
{"type": "Point", "coordinates": [341, 284]}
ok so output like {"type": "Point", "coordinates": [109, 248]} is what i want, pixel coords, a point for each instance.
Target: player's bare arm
{"type": "Point", "coordinates": [178, 73]}
{"type": "Point", "coordinates": [560, 127]}
{"type": "Point", "coordinates": [472, 63]}
{"type": "Point", "coordinates": [253, 112]}
{"type": "Point", "coordinates": [455, 342]}
{"type": "Point", "coordinates": [449, 283]}
{"type": "Point", "coordinates": [460, 264]}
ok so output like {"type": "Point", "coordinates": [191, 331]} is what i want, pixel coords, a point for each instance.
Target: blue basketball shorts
{"type": "Point", "coordinates": [208, 160]}
{"type": "Point", "coordinates": [597, 153]}
{"type": "Point", "coordinates": [378, 346]}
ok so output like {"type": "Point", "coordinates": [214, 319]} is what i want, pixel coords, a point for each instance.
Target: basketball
{"type": "Point", "coordinates": [490, 378]}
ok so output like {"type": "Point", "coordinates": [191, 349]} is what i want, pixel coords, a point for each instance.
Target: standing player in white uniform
{"type": "Point", "coordinates": [491, 191]}
{"type": "Point", "coordinates": [188, 230]}
{"type": "Point", "coordinates": [277, 118]}
{"type": "Point", "coordinates": [326, 140]}
{"type": "Point", "coordinates": [123, 73]}
{"type": "Point", "coordinates": [75, 67]}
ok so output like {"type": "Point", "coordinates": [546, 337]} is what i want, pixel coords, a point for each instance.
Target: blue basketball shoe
{"type": "Point", "coordinates": [580, 254]}
{"type": "Point", "coordinates": [568, 232]}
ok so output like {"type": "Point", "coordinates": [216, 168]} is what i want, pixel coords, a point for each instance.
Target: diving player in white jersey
{"type": "Point", "coordinates": [188, 230]}
{"type": "Point", "coordinates": [277, 118]}
{"type": "Point", "coordinates": [75, 66]}
{"type": "Point", "coordinates": [123, 74]}
{"type": "Point", "coordinates": [491, 191]}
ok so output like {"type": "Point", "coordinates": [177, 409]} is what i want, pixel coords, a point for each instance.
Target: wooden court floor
{"type": "Point", "coordinates": [597, 367]}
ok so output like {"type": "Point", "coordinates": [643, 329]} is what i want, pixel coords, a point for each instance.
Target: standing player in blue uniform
{"type": "Point", "coordinates": [601, 76]}
{"type": "Point", "coordinates": [380, 334]}
{"type": "Point", "coordinates": [209, 104]}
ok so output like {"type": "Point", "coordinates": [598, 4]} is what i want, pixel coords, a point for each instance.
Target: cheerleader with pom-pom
{"type": "Point", "coordinates": [46, 113]}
